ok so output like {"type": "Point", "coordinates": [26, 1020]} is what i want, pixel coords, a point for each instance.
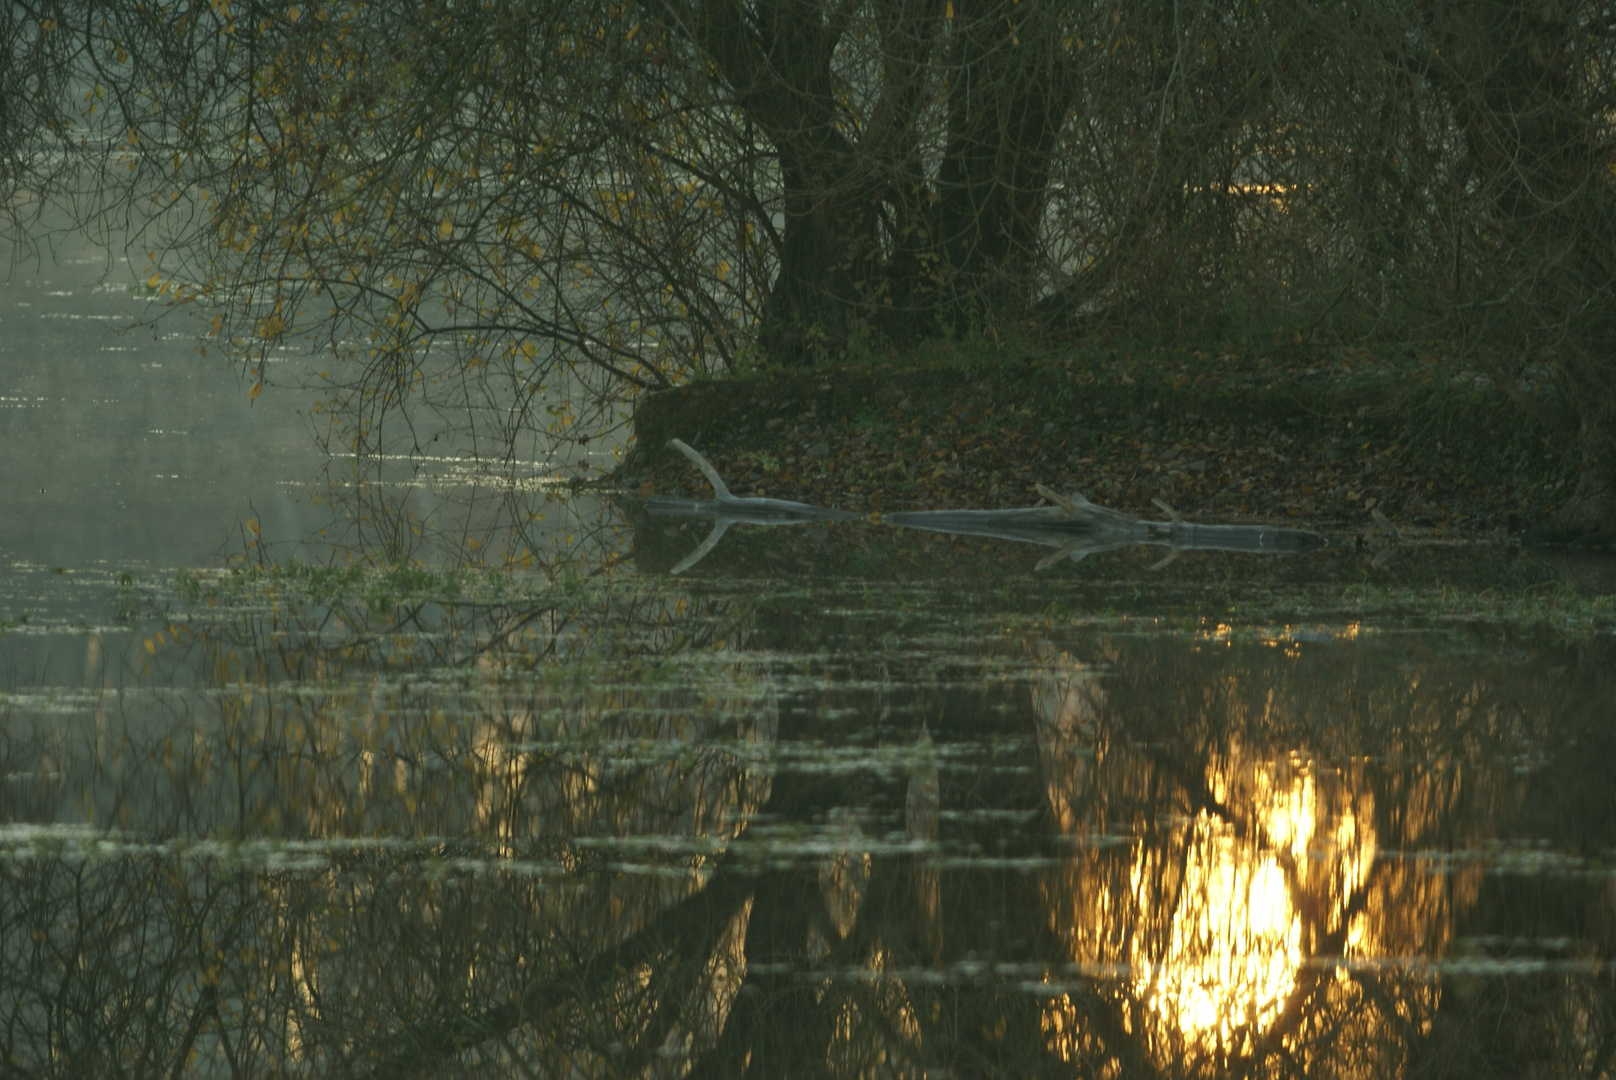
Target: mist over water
{"type": "Point", "coordinates": [131, 449]}
{"type": "Point", "coordinates": [123, 444]}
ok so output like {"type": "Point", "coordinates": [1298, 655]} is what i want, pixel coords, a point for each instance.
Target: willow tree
{"type": "Point", "coordinates": [522, 215]}
{"type": "Point", "coordinates": [515, 207]}
{"type": "Point", "coordinates": [490, 211]}
{"type": "Point", "coordinates": [39, 133]}
{"type": "Point", "coordinates": [911, 142]}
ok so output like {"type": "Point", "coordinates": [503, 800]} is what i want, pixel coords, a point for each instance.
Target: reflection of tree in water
{"type": "Point", "coordinates": [594, 841]}
{"type": "Point", "coordinates": [456, 820]}
{"type": "Point", "coordinates": [506, 511]}
{"type": "Point", "coordinates": [1260, 908]}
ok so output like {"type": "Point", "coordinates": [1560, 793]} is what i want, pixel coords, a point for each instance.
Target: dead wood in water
{"type": "Point", "coordinates": [726, 509]}
{"type": "Point", "coordinates": [1072, 525]}
{"type": "Point", "coordinates": [1078, 528]}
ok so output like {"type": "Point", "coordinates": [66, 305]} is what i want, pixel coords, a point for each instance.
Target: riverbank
{"type": "Point", "coordinates": [1322, 441]}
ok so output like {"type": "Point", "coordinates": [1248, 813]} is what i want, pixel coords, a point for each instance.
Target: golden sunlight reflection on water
{"type": "Point", "coordinates": [1244, 889]}
{"type": "Point", "coordinates": [1234, 947]}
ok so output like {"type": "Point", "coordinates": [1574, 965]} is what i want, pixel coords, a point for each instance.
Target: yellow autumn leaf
{"type": "Point", "coordinates": [446, 229]}
{"type": "Point", "coordinates": [257, 388]}
{"type": "Point", "coordinates": [155, 280]}
{"type": "Point", "coordinates": [723, 270]}
{"type": "Point", "coordinates": [948, 12]}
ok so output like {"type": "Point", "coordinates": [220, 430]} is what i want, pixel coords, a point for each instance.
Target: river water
{"type": "Point", "coordinates": [455, 778]}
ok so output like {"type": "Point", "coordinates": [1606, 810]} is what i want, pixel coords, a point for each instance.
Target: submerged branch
{"type": "Point", "coordinates": [1080, 532]}
{"type": "Point", "coordinates": [1072, 525]}
{"type": "Point", "coordinates": [726, 509]}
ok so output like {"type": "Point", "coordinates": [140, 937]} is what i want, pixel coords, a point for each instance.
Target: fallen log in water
{"type": "Point", "coordinates": [726, 509]}
{"type": "Point", "coordinates": [1079, 528]}
{"type": "Point", "coordinates": [1074, 526]}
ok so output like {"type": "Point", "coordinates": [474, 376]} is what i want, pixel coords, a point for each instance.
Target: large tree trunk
{"type": "Point", "coordinates": [775, 60]}
{"type": "Point", "coordinates": [815, 302]}
{"type": "Point", "coordinates": [1007, 101]}
{"type": "Point", "coordinates": [868, 238]}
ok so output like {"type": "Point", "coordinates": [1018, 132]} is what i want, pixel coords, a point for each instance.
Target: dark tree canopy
{"type": "Point", "coordinates": [534, 211]}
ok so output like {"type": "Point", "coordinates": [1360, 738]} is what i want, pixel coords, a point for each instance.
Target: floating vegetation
{"type": "Point", "coordinates": [379, 587]}
{"type": "Point", "coordinates": [510, 817]}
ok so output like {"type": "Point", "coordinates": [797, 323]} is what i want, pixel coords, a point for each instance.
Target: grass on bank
{"type": "Point", "coordinates": [1292, 432]}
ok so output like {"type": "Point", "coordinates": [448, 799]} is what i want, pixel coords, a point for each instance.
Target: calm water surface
{"type": "Point", "coordinates": [841, 801]}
